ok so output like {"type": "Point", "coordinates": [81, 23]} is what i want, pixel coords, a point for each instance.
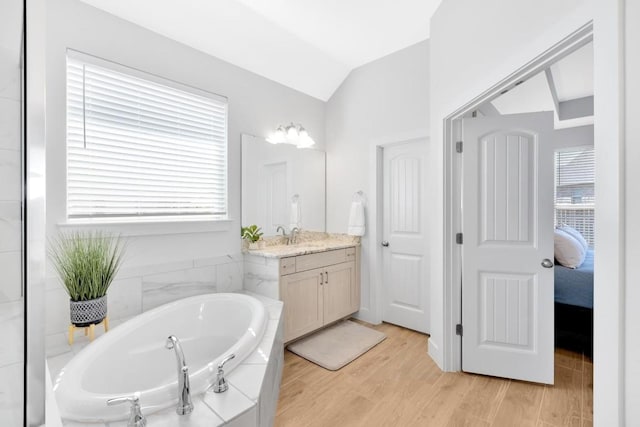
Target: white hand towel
{"type": "Point", "coordinates": [356, 219]}
{"type": "Point", "coordinates": [296, 214]}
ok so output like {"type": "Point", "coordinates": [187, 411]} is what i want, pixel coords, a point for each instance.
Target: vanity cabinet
{"type": "Point", "coordinates": [318, 289]}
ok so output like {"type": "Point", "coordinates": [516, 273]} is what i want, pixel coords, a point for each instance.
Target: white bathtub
{"type": "Point", "coordinates": [133, 358]}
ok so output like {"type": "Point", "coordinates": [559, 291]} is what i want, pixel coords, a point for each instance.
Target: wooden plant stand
{"type": "Point", "coordinates": [88, 330]}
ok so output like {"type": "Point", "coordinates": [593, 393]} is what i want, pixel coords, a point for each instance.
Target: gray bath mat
{"type": "Point", "coordinates": [336, 346]}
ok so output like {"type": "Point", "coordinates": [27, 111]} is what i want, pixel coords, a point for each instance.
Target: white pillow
{"type": "Point", "coordinates": [576, 235]}
{"type": "Point", "coordinates": [568, 251]}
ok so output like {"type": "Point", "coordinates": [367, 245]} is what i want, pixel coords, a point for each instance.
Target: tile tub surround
{"type": "Point", "coordinates": [253, 386]}
{"type": "Point", "coordinates": [140, 288]}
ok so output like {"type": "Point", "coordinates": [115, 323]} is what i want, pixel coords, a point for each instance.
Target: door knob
{"type": "Point", "coordinates": [546, 263]}
{"type": "Point", "coordinates": [385, 243]}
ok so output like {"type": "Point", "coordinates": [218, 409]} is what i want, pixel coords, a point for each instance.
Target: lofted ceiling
{"type": "Point", "coordinates": [572, 78]}
{"type": "Point", "coordinates": [308, 45]}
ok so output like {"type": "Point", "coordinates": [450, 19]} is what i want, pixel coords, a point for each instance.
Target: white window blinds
{"type": "Point", "coordinates": [575, 190]}
{"type": "Point", "coordinates": [138, 146]}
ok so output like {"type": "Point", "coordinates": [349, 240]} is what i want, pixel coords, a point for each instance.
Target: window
{"type": "Point", "coordinates": [140, 146]}
{"type": "Point", "coordinates": [575, 190]}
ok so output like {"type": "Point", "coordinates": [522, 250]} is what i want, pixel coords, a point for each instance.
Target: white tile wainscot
{"type": "Point", "coordinates": [137, 289]}
{"type": "Point", "coordinates": [254, 385]}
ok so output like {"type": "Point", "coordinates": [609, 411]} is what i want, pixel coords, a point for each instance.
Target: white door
{"type": "Point", "coordinates": [405, 238]}
{"type": "Point", "coordinates": [507, 250]}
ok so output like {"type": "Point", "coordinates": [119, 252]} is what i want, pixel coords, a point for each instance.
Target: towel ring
{"type": "Point", "coordinates": [358, 196]}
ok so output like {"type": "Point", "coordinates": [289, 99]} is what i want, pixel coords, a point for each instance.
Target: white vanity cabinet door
{"type": "Point", "coordinates": [338, 291]}
{"type": "Point", "coordinates": [303, 302]}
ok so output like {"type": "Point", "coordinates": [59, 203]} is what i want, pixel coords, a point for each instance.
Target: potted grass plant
{"type": "Point", "coordinates": [87, 263]}
{"type": "Point", "coordinates": [252, 235]}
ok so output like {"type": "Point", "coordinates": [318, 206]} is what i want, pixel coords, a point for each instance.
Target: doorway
{"type": "Point", "coordinates": [405, 270]}
{"type": "Point", "coordinates": [491, 291]}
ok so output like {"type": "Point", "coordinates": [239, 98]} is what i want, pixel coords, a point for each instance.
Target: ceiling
{"type": "Point", "coordinates": [308, 45]}
{"type": "Point", "coordinates": [572, 77]}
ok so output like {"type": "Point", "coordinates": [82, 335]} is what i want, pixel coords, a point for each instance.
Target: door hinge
{"type": "Point", "coordinates": [459, 329]}
{"type": "Point", "coordinates": [459, 238]}
{"type": "Point", "coordinates": [459, 147]}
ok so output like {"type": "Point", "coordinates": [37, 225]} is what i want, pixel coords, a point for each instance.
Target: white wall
{"type": "Point", "coordinates": [382, 102]}
{"type": "Point", "coordinates": [256, 106]}
{"type": "Point", "coordinates": [474, 45]}
{"type": "Point", "coordinates": [632, 168]}
{"type": "Point", "coordinates": [573, 137]}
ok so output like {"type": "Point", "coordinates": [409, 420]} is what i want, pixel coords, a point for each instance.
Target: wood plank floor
{"type": "Point", "coordinates": [397, 384]}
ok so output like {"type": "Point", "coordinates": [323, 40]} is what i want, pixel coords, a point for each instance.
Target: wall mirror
{"type": "Point", "coordinates": [282, 185]}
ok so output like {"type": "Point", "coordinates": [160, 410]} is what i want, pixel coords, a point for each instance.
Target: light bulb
{"type": "Point", "coordinates": [278, 137]}
{"type": "Point", "coordinates": [305, 141]}
{"type": "Point", "coordinates": [292, 133]}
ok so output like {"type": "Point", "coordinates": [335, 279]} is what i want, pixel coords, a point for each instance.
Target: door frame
{"type": "Point", "coordinates": [371, 310]}
{"type": "Point", "coordinates": [452, 343]}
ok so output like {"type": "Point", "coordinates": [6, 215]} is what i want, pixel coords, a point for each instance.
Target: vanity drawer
{"type": "Point", "coordinates": [287, 265]}
{"type": "Point", "coordinates": [351, 254]}
{"type": "Point", "coordinates": [321, 259]}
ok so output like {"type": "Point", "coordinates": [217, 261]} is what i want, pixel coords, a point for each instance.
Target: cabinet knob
{"type": "Point", "coordinates": [385, 243]}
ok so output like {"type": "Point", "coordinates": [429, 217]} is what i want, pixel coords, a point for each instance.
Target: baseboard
{"type": "Point", "coordinates": [366, 316]}
{"type": "Point", "coordinates": [433, 350]}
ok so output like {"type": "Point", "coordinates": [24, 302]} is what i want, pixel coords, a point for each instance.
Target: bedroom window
{"type": "Point", "coordinates": [142, 147]}
{"type": "Point", "coordinates": [575, 190]}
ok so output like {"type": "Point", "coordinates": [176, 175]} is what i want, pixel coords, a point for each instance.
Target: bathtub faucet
{"type": "Point", "coordinates": [185, 406]}
{"type": "Point", "coordinates": [221, 385]}
{"type": "Point", "coordinates": [136, 419]}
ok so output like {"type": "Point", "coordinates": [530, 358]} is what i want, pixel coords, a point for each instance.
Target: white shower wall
{"type": "Point", "coordinates": [11, 300]}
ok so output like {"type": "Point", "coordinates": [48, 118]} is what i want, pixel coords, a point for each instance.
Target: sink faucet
{"type": "Point", "coordinates": [280, 229]}
{"type": "Point", "coordinates": [185, 406]}
{"type": "Point", "coordinates": [293, 238]}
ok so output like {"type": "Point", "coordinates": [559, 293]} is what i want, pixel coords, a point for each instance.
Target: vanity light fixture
{"type": "Point", "coordinates": [292, 134]}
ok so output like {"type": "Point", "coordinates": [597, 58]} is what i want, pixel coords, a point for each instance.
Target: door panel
{"type": "Point", "coordinates": [338, 290]}
{"type": "Point", "coordinates": [507, 173]}
{"type": "Point", "coordinates": [405, 258]}
{"type": "Point", "coordinates": [302, 293]}
{"type": "Point", "coordinates": [507, 295]}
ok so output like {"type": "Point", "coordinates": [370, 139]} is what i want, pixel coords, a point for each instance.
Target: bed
{"type": "Point", "coordinates": [574, 306]}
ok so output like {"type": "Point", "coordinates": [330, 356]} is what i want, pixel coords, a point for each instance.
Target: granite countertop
{"type": "Point", "coordinates": [304, 248]}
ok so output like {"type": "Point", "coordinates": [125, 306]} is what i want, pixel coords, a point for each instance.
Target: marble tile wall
{"type": "Point", "coordinates": [261, 275]}
{"type": "Point", "coordinates": [11, 302]}
{"type": "Point", "coordinates": [141, 288]}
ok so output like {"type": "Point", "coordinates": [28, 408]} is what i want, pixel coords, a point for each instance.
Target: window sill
{"type": "Point", "coordinates": [135, 227]}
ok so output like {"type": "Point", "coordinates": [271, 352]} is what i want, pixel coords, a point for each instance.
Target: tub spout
{"type": "Point", "coordinates": [185, 406]}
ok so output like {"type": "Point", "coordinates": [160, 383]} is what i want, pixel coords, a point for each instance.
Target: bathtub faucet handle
{"type": "Point", "coordinates": [136, 419]}
{"type": "Point", "coordinates": [221, 383]}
